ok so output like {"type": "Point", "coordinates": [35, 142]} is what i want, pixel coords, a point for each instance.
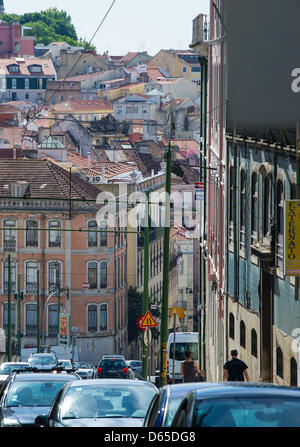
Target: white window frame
{"type": "Point", "coordinates": [48, 237]}
{"type": "Point", "coordinates": [97, 273]}
{"type": "Point", "coordinates": [107, 316]}
{"type": "Point", "coordinates": [48, 272]}
{"type": "Point", "coordinates": [25, 231]}
{"type": "Point", "coordinates": [25, 275]}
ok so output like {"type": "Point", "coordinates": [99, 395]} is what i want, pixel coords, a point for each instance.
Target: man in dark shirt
{"type": "Point", "coordinates": [235, 369]}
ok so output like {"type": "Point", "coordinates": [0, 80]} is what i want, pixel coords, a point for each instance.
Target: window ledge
{"type": "Point", "coordinates": [262, 251]}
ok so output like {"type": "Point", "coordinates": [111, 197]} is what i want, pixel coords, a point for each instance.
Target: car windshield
{"type": "Point", "coordinates": [33, 393]}
{"type": "Point", "coordinates": [7, 369]}
{"type": "Point", "coordinates": [112, 364]}
{"type": "Point", "coordinates": [103, 401]}
{"type": "Point", "coordinates": [180, 349]}
{"type": "Point", "coordinates": [83, 365]}
{"type": "Point", "coordinates": [66, 363]}
{"type": "Point", "coordinates": [42, 360]}
{"type": "Point", "coordinates": [247, 412]}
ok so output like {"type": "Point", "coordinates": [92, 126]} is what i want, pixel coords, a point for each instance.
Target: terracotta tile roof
{"type": "Point", "coordinates": [111, 168]}
{"type": "Point", "coordinates": [45, 179]}
{"type": "Point", "coordinates": [154, 73]}
{"type": "Point", "coordinates": [83, 77]}
{"type": "Point", "coordinates": [190, 174]}
{"type": "Point", "coordinates": [127, 58]}
{"type": "Point", "coordinates": [84, 106]}
{"type": "Point", "coordinates": [47, 66]}
{"type": "Point", "coordinates": [187, 147]}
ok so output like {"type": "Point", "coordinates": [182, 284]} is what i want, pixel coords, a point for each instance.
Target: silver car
{"type": "Point", "coordinates": [100, 403]}
{"type": "Point", "coordinates": [85, 370]}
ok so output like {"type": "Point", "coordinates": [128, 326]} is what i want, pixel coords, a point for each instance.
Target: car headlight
{"type": "Point", "coordinates": [10, 422]}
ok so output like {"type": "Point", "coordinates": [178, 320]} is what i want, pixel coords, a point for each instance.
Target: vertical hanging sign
{"type": "Point", "coordinates": [64, 330]}
{"type": "Point", "coordinates": [292, 237]}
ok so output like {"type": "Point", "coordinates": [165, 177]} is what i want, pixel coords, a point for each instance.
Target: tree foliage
{"type": "Point", "coordinates": [135, 300]}
{"type": "Point", "coordinates": [49, 26]}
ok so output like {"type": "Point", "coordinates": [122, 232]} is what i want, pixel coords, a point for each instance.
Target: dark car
{"type": "Point", "coordinates": [112, 368]}
{"type": "Point", "coordinates": [100, 403]}
{"type": "Point", "coordinates": [239, 404]}
{"type": "Point", "coordinates": [26, 395]}
{"type": "Point", "coordinates": [165, 404]}
{"type": "Point", "coordinates": [43, 361]}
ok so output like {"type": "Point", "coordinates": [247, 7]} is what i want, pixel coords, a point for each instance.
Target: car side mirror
{"type": "Point", "coordinates": [60, 364]}
{"type": "Point", "coordinates": [42, 420]}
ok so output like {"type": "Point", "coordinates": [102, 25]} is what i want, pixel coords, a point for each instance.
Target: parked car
{"type": "Point", "coordinates": [112, 367]}
{"type": "Point", "coordinates": [100, 403]}
{"type": "Point", "coordinates": [66, 364]}
{"type": "Point", "coordinates": [113, 356]}
{"type": "Point", "coordinates": [6, 368]}
{"type": "Point", "coordinates": [239, 404]}
{"type": "Point", "coordinates": [85, 370]}
{"type": "Point", "coordinates": [165, 404]}
{"type": "Point", "coordinates": [26, 395]}
{"type": "Point", "coordinates": [43, 361]}
{"type": "Point", "coordinates": [136, 366]}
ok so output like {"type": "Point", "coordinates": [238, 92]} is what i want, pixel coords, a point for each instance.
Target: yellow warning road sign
{"type": "Point", "coordinates": [148, 321]}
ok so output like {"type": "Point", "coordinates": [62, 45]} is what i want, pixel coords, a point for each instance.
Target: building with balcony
{"type": "Point", "coordinates": [39, 224]}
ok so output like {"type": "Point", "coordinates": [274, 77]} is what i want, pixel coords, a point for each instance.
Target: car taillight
{"type": "Point", "coordinates": [169, 380]}
{"type": "Point", "coordinates": [125, 370]}
{"type": "Point", "coordinates": [99, 370]}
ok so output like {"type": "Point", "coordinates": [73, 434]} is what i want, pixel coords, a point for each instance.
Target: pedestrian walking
{"type": "Point", "coordinates": [189, 368]}
{"type": "Point", "coordinates": [235, 370]}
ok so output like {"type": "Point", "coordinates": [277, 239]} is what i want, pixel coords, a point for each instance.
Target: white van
{"type": "Point", "coordinates": [184, 341]}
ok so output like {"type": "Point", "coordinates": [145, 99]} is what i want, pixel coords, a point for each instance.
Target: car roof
{"type": "Point", "coordinates": [230, 389]}
{"type": "Point", "coordinates": [115, 382]}
{"type": "Point", "coordinates": [27, 377]}
{"type": "Point", "coordinates": [14, 363]}
{"type": "Point", "coordinates": [181, 389]}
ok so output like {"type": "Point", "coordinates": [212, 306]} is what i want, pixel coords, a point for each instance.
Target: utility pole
{"type": "Point", "coordinates": [165, 291]}
{"type": "Point", "coordinates": [146, 284]}
{"type": "Point", "coordinates": [9, 309]}
{"type": "Point", "coordinates": [58, 311]}
{"type": "Point", "coordinates": [38, 333]}
{"type": "Point", "coordinates": [19, 297]}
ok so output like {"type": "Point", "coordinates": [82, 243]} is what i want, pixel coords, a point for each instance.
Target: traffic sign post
{"type": "Point", "coordinates": [199, 191]}
{"type": "Point", "coordinates": [140, 319]}
{"type": "Point", "coordinates": [148, 321]}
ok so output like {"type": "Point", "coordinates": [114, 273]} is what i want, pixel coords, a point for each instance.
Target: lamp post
{"type": "Point", "coordinates": [43, 317]}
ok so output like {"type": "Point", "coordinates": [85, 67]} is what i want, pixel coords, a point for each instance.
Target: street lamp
{"type": "Point", "coordinates": [54, 292]}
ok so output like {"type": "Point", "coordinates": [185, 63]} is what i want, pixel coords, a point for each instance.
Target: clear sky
{"type": "Point", "coordinates": [132, 25]}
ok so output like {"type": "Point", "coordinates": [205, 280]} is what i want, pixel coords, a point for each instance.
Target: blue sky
{"type": "Point", "coordinates": [132, 25]}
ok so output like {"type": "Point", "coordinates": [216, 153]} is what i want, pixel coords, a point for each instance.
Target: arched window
{"type": "Point", "coordinates": [54, 233]}
{"type": "Point", "coordinates": [279, 362]}
{"type": "Point", "coordinates": [92, 234]}
{"type": "Point", "coordinates": [254, 204]}
{"type": "Point", "coordinates": [32, 234]}
{"type": "Point", "coordinates": [254, 343]}
{"type": "Point", "coordinates": [242, 334]}
{"type": "Point", "coordinates": [92, 318]}
{"type": "Point", "coordinates": [31, 319]}
{"type": "Point", "coordinates": [103, 317]}
{"type": "Point", "coordinates": [54, 275]}
{"type": "Point", "coordinates": [92, 274]}
{"type": "Point", "coordinates": [103, 234]}
{"type": "Point", "coordinates": [243, 208]}
{"type": "Point", "coordinates": [52, 320]}
{"type": "Point", "coordinates": [231, 326]}
{"type": "Point", "coordinates": [266, 205]}
{"type": "Point", "coordinates": [9, 235]}
{"type": "Point", "coordinates": [280, 223]}
{"type": "Point", "coordinates": [294, 372]}
{"type": "Point", "coordinates": [31, 268]}
{"type": "Point", "coordinates": [103, 275]}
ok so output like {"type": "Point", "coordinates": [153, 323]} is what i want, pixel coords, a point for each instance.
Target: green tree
{"type": "Point", "coordinates": [135, 301]}
{"type": "Point", "coordinates": [51, 25]}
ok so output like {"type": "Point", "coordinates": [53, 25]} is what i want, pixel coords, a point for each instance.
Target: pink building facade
{"type": "Point", "coordinates": [13, 42]}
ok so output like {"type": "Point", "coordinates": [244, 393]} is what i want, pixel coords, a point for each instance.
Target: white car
{"type": "Point", "coordinates": [67, 364]}
{"type": "Point", "coordinates": [6, 368]}
{"type": "Point", "coordinates": [85, 370]}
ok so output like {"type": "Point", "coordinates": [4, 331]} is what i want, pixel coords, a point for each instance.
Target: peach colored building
{"type": "Point", "coordinates": [39, 230]}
